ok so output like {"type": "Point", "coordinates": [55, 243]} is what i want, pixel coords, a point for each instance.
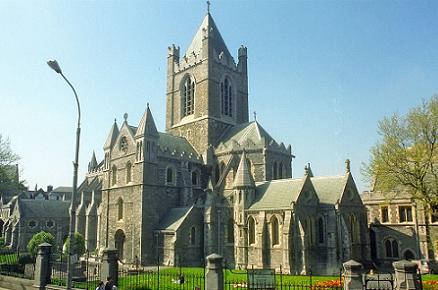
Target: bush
{"type": "Point", "coordinates": [78, 247]}
{"type": "Point", "coordinates": [38, 239]}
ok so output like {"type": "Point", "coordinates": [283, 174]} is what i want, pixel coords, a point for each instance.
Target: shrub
{"type": "Point", "coordinates": [25, 259]}
{"type": "Point", "coordinates": [38, 239]}
{"type": "Point", "coordinates": [78, 247]}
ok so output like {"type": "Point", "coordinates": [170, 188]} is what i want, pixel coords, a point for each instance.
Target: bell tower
{"type": "Point", "coordinates": [207, 91]}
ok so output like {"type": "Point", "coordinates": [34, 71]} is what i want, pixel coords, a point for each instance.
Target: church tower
{"type": "Point", "coordinates": [207, 92]}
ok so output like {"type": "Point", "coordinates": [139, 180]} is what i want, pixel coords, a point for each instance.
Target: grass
{"type": "Point", "coordinates": [429, 277]}
{"type": "Point", "coordinates": [9, 258]}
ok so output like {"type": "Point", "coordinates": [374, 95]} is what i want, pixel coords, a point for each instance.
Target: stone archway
{"type": "Point", "coordinates": [409, 255]}
{"type": "Point", "coordinates": [119, 240]}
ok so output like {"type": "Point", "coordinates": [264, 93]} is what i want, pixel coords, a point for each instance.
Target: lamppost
{"type": "Point", "coordinates": [55, 66]}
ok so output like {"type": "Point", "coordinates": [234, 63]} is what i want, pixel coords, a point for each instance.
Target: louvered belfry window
{"type": "Point", "coordinates": [188, 96]}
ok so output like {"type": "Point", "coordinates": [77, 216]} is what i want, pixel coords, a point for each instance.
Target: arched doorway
{"type": "Point", "coordinates": [119, 240]}
{"type": "Point", "coordinates": [409, 255]}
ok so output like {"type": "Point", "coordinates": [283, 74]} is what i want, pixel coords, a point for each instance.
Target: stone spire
{"type": "Point", "coordinates": [112, 136]}
{"type": "Point", "coordinates": [243, 176]}
{"type": "Point", "coordinates": [93, 163]}
{"type": "Point", "coordinates": [147, 125]}
{"type": "Point", "coordinates": [208, 29]}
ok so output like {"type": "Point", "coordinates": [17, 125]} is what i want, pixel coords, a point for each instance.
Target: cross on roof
{"type": "Point", "coordinates": [208, 6]}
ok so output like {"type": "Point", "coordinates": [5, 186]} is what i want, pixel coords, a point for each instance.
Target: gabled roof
{"type": "Point", "coordinates": [112, 136]}
{"type": "Point", "coordinates": [243, 176]}
{"type": "Point", "coordinates": [208, 29]}
{"type": "Point", "coordinates": [329, 188]}
{"type": "Point", "coordinates": [277, 194]}
{"type": "Point", "coordinates": [174, 218]}
{"type": "Point", "coordinates": [43, 208]}
{"type": "Point", "coordinates": [63, 189]}
{"type": "Point", "coordinates": [175, 143]}
{"type": "Point", "coordinates": [147, 125]}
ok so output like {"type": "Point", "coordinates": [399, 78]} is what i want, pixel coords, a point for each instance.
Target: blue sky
{"type": "Point", "coordinates": [321, 73]}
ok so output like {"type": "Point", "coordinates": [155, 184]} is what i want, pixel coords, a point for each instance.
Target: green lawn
{"type": "Point", "coordinates": [429, 277]}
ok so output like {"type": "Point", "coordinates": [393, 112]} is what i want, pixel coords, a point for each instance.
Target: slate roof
{"type": "Point", "coordinates": [174, 218]}
{"type": "Point", "coordinates": [329, 188]}
{"type": "Point", "coordinates": [63, 189]}
{"type": "Point", "coordinates": [208, 27]}
{"type": "Point", "coordinates": [246, 131]}
{"type": "Point", "coordinates": [44, 208]}
{"type": "Point", "coordinates": [179, 144]}
{"type": "Point", "coordinates": [277, 194]}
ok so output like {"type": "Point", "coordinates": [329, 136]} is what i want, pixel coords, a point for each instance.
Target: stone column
{"type": "Point", "coordinates": [42, 266]}
{"type": "Point", "coordinates": [109, 266]}
{"type": "Point", "coordinates": [406, 275]}
{"type": "Point", "coordinates": [352, 275]}
{"type": "Point", "coordinates": [214, 278]}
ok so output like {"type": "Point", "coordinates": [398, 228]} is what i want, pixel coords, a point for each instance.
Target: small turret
{"type": "Point", "coordinates": [347, 166]}
{"type": "Point", "coordinates": [92, 165]}
{"type": "Point", "coordinates": [243, 176]}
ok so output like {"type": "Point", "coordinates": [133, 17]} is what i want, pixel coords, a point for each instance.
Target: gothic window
{"type": "Point", "coordinates": [226, 98]}
{"type": "Point", "coordinates": [139, 152]}
{"type": "Point", "coordinates": [309, 231]}
{"type": "Point", "coordinates": [32, 224]}
{"type": "Point", "coordinates": [120, 208]}
{"type": "Point", "coordinates": [391, 248]}
{"type": "Point", "coordinates": [195, 178]}
{"type": "Point", "coordinates": [409, 255]}
{"type": "Point", "coordinates": [170, 175]}
{"type": "Point", "coordinates": [114, 175]}
{"type": "Point", "coordinates": [251, 230]}
{"type": "Point", "coordinates": [434, 213]}
{"type": "Point", "coordinates": [275, 231]}
{"type": "Point", "coordinates": [128, 172]}
{"type": "Point", "coordinates": [354, 228]}
{"type": "Point", "coordinates": [222, 167]}
{"type": "Point", "coordinates": [405, 214]}
{"type": "Point", "coordinates": [124, 144]}
{"type": "Point", "coordinates": [321, 230]}
{"type": "Point", "coordinates": [216, 173]}
{"type": "Point", "coordinates": [50, 224]}
{"type": "Point", "coordinates": [188, 96]}
{"type": "Point", "coordinates": [385, 214]}
{"type": "Point", "coordinates": [193, 236]}
{"type": "Point", "coordinates": [230, 231]}
{"type": "Point", "coordinates": [106, 160]}
{"type": "Point", "coordinates": [274, 170]}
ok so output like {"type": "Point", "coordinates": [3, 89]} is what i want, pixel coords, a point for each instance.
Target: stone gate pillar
{"type": "Point", "coordinates": [352, 275]}
{"type": "Point", "coordinates": [406, 275]}
{"type": "Point", "coordinates": [214, 279]}
{"type": "Point", "coordinates": [110, 265]}
{"type": "Point", "coordinates": [43, 269]}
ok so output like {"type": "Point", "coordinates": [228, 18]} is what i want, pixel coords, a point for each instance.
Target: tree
{"type": "Point", "coordinates": [78, 246]}
{"type": "Point", "coordinates": [407, 156]}
{"type": "Point", "coordinates": [38, 239]}
{"type": "Point", "coordinates": [9, 182]}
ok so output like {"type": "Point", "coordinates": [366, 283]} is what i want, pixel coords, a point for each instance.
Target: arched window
{"type": "Point", "coordinates": [170, 175]}
{"type": "Point", "coordinates": [114, 175]}
{"type": "Point", "coordinates": [409, 255]}
{"type": "Point", "coordinates": [226, 98]}
{"type": "Point", "coordinates": [354, 229]}
{"type": "Point", "coordinates": [251, 230]}
{"type": "Point", "coordinates": [274, 170]}
{"type": "Point", "coordinates": [193, 236]}
{"type": "Point", "coordinates": [120, 208]}
{"type": "Point", "coordinates": [280, 170]}
{"type": "Point", "coordinates": [391, 248]}
{"type": "Point", "coordinates": [275, 231]}
{"type": "Point", "coordinates": [188, 97]}
{"type": "Point", "coordinates": [194, 178]}
{"type": "Point", "coordinates": [222, 167]}
{"type": "Point", "coordinates": [119, 240]}
{"type": "Point", "coordinates": [320, 230]}
{"type": "Point", "coordinates": [230, 231]}
{"type": "Point", "coordinates": [128, 172]}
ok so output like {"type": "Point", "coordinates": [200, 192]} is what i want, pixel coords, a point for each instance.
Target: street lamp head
{"type": "Point", "coordinates": [55, 66]}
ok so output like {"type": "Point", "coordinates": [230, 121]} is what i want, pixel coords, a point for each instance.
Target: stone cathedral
{"type": "Point", "coordinates": [215, 182]}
